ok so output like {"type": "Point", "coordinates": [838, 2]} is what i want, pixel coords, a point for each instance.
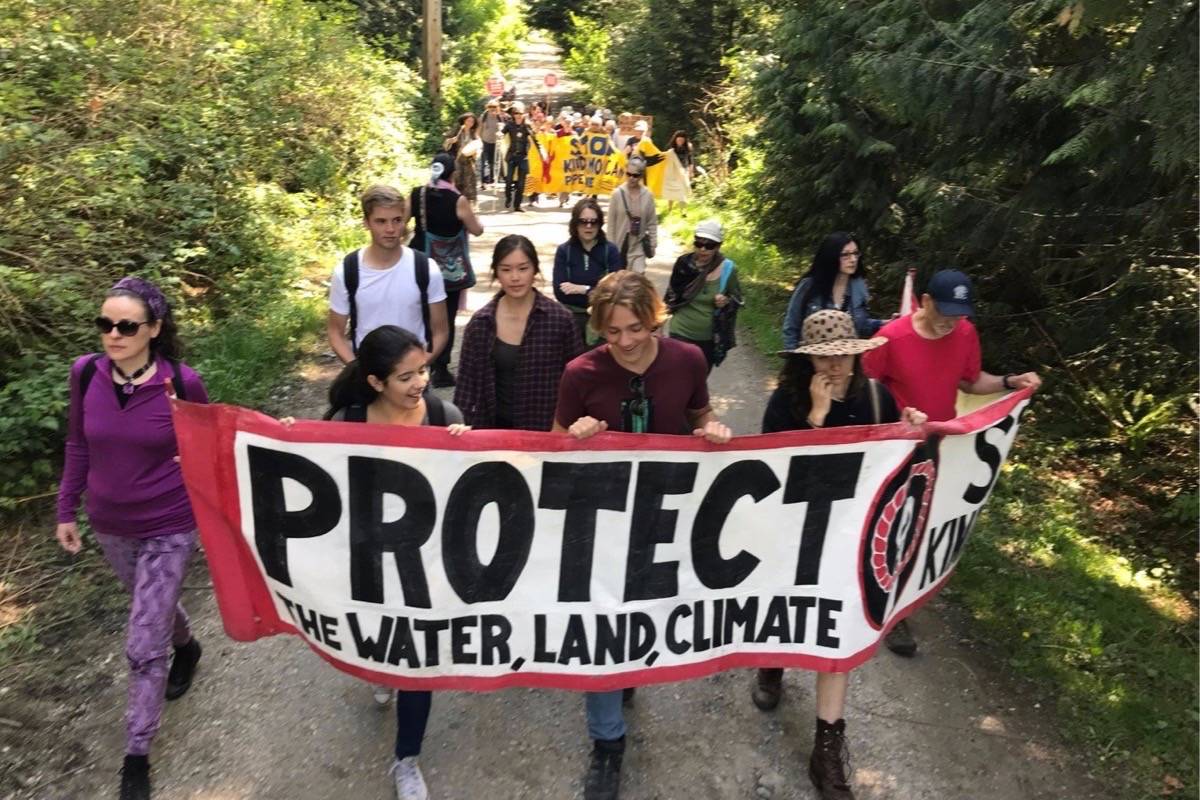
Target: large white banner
{"type": "Point", "coordinates": [411, 557]}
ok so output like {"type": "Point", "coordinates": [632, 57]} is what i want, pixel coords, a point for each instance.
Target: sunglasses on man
{"type": "Point", "coordinates": [705, 244]}
{"type": "Point", "coordinates": [125, 327]}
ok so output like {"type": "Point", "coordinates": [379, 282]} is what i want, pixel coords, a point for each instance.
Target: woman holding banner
{"type": "Point", "coordinates": [582, 260]}
{"type": "Point", "coordinates": [822, 386]}
{"type": "Point", "coordinates": [704, 294]}
{"type": "Point", "coordinates": [515, 348]}
{"type": "Point", "coordinates": [632, 217]}
{"type": "Point", "coordinates": [636, 382]}
{"type": "Point", "coordinates": [121, 450]}
{"type": "Point", "coordinates": [386, 386]}
{"type": "Point", "coordinates": [836, 279]}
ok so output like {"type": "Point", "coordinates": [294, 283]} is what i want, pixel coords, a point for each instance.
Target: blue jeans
{"type": "Point", "coordinates": [605, 717]}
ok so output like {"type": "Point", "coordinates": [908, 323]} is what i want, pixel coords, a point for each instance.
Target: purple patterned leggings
{"type": "Point", "coordinates": [152, 570]}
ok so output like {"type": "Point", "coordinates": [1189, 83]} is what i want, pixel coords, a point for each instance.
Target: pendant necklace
{"type": "Point", "coordinates": [129, 379]}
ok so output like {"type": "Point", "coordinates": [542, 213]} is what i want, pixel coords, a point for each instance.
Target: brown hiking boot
{"type": "Point", "coordinates": [768, 688]}
{"type": "Point", "coordinates": [830, 760]}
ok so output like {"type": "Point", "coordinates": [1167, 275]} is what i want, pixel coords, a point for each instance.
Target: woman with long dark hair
{"type": "Point", "coordinates": [582, 260]}
{"type": "Point", "coordinates": [466, 149]}
{"type": "Point", "coordinates": [121, 451]}
{"type": "Point", "coordinates": [822, 385]}
{"type": "Point", "coordinates": [444, 218]}
{"type": "Point", "coordinates": [515, 348]}
{"type": "Point", "coordinates": [386, 386]}
{"type": "Point", "coordinates": [836, 279]}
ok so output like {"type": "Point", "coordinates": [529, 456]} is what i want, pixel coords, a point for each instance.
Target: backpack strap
{"type": "Point", "coordinates": [421, 268]}
{"type": "Point", "coordinates": [89, 372]}
{"type": "Point", "coordinates": [350, 275]}
{"type": "Point", "coordinates": [876, 403]}
{"type": "Point", "coordinates": [435, 409]}
{"type": "Point", "coordinates": [726, 271]}
{"type": "Point", "coordinates": [354, 413]}
{"type": "Point", "coordinates": [86, 375]}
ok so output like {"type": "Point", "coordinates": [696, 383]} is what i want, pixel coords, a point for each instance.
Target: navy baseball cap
{"type": "Point", "coordinates": [952, 293]}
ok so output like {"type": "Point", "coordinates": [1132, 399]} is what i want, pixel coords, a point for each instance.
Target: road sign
{"type": "Point", "coordinates": [551, 80]}
{"type": "Point", "coordinates": [495, 86]}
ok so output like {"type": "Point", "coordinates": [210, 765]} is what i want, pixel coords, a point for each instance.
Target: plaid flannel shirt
{"type": "Point", "coordinates": [550, 341]}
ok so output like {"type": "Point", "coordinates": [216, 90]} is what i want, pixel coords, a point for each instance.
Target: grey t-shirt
{"type": "Point", "coordinates": [453, 415]}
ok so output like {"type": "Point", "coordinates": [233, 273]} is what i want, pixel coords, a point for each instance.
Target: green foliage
{"type": "Point", "coordinates": [480, 35]}
{"type": "Point", "coordinates": [587, 44]}
{"type": "Point", "coordinates": [214, 148]}
{"type": "Point", "coordinates": [1118, 650]}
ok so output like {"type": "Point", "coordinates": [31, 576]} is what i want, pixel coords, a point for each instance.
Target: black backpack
{"type": "Point", "coordinates": [421, 268]}
{"type": "Point", "coordinates": [433, 407]}
{"type": "Point", "coordinates": [89, 372]}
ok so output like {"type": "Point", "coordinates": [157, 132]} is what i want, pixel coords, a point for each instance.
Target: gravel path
{"type": "Point", "coordinates": [271, 721]}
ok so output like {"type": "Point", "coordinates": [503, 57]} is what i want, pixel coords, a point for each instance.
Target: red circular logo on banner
{"type": "Point", "coordinates": [550, 80]}
{"type": "Point", "coordinates": [495, 86]}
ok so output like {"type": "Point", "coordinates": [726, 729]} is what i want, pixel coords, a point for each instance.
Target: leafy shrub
{"type": "Point", "coordinates": [214, 148]}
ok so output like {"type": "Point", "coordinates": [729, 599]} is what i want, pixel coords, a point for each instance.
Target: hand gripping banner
{"type": "Point", "coordinates": [413, 558]}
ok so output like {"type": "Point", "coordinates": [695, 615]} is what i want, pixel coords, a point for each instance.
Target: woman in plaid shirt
{"type": "Point", "coordinates": [515, 348]}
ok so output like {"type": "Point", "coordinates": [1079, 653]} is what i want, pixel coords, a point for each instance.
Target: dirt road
{"type": "Point", "coordinates": [272, 721]}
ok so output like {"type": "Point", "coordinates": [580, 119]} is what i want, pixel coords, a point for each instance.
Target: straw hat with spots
{"type": "Point", "coordinates": [831, 333]}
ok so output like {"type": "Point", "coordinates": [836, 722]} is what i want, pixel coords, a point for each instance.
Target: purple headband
{"type": "Point", "coordinates": [150, 294]}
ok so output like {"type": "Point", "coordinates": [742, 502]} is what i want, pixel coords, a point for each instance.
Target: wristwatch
{"type": "Point", "coordinates": [1004, 381]}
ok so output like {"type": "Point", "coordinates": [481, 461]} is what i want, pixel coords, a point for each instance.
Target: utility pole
{"type": "Point", "coordinates": [433, 48]}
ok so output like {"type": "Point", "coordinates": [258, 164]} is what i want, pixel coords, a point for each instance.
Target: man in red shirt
{"type": "Point", "coordinates": [637, 382]}
{"type": "Point", "coordinates": [929, 356]}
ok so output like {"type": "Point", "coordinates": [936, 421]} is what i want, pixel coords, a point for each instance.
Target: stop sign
{"type": "Point", "coordinates": [495, 86]}
{"type": "Point", "coordinates": [551, 80]}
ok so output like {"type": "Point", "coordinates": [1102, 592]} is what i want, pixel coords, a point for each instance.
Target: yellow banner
{"type": "Point", "coordinates": [589, 164]}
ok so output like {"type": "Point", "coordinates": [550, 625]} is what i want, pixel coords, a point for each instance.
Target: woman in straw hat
{"type": "Point", "coordinates": [822, 386]}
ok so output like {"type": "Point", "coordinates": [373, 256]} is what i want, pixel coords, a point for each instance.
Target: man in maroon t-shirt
{"type": "Point", "coordinates": [636, 382]}
{"type": "Point", "coordinates": [928, 358]}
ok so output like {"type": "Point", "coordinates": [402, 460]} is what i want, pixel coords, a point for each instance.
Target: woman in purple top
{"type": "Point", "coordinates": [120, 424]}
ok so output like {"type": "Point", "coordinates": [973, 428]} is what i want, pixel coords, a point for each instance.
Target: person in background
{"type": "Point", "coordinates": [467, 147]}
{"type": "Point", "coordinates": [444, 218]}
{"type": "Point", "coordinates": [582, 260]}
{"type": "Point", "coordinates": [641, 128]}
{"type": "Point", "coordinates": [121, 451]}
{"type": "Point", "coordinates": [636, 382]}
{"type": "Point", "coordinates": [519, 136]}
{"type": "Point", "coordinates": [836, 279]}
{"type": "Point", "coordinates": [822, 386]}
{"type": "Point", "coordinates": [682, 146]}
{"type": "Point", "coordinates": [515, 348]}
{"type": "Point", "coordinates": [610, 127]}
{"type": "Point", "coordinates": [704, 293]}
{"type": "Point", "coordinates": [489, 131]}
{"type": "Point", "coordinates": [633, 219]}
{"type": "Point", "coordinates": [389, 287]}
{"type": "Point", "coordinates": [563, 130]}
{"type": "Point", "coordinates": [929, 357]}
{"type": "Point", "coordinates": [386, 386]}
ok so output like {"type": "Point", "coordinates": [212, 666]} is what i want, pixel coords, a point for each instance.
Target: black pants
{"type": "Point", "coordinates": [452, 300]}
{"type": "Point", "coordinates": [514, 184]}
{"type": "Point", "coordinates": [489, 161]}
{"type": "Point", "coordinates": [412, 713]}
{"type": "Point", "coordinates": [705, 347]}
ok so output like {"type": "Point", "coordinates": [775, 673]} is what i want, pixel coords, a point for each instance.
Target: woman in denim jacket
{"type": "Point", "coordinates": [837, 280]}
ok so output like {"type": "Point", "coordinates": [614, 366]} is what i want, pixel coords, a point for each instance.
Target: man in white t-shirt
{"type": "Point", "coordinates": [387, 282]}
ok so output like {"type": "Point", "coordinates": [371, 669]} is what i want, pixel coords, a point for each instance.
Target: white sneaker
{"type": "Point", "coordinates": [410, 783]}
{"type": "Point", "coordinates": [382, 694]}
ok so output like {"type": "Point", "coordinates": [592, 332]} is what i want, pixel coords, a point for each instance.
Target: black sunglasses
{"type": "Point", "coordinates": [125, 327]}
{"type": "Point", "coordinates": [634, 174]}
{"type": "Point", "coordinates": [705, 244]}
{"type": "Point", "coordinates": [589, 222]}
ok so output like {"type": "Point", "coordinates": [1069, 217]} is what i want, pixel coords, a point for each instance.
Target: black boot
{"type": "Point", "coordinates": [603, 780]}
{"type": "Point", "coordinates": [900, 640]}
{"type": "Point", "coordinates": [441, 377]}
{"type": "Point", "coordinates": [183, 668]}
{"type": "Point", "coordinates": [829, 761]}
{"type": "Point", "coordinates": [768, 688]}
{"type": "Point", "coordinates": [135, 778]}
